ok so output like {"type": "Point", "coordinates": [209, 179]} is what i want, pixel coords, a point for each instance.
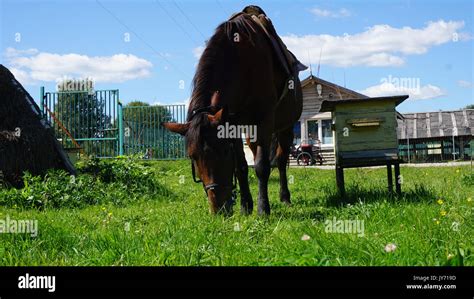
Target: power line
{"type": "Point", "coordinates": [142, 40]}
{"type": "Point", "coordinates": [223, 9]}
{"type": "Point", "coordinates": [177, 23]}
{"type": "Point", "coordinates": [189, 20]}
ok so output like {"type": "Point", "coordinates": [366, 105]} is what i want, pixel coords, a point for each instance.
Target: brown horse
{"type": "Point", "coordinates": [240, 81]}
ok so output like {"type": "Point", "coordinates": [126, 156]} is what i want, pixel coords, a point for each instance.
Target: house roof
{"type": "Point", "coordinates": [436, 124]}
{"type": "Point", "coordinates": [315, 80]}
{"type": "Point", "coordinates": [327, 106]}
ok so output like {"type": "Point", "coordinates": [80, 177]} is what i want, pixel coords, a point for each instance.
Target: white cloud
{"type": "Point", "coordinates": [464, 83]}
{"type": "Point", "coordinates": [197, 52]}
{"type": "Point", "coordinates": [11, 52]}
{"type": "Point", "coordinates": [377, 46]}
{"type": "Point", "coordinates": [324, 13]}
{"type": "Point", "coordinates": [31, 66]}
{"type": "Point", "coordinates": [415, 92]}
{"type": "Point", "coordinates": [22, 76]}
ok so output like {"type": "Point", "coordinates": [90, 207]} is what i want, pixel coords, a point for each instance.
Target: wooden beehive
{"type": "Point", "coordinates": [365, 132]}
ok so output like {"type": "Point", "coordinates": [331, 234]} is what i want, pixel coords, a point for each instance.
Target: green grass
{"type": "Point", "coordinates": [164, 221]}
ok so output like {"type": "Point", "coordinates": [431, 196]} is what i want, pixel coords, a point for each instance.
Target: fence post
{"type": "Point", "coordinates": [120, 127]}
{"type": "Point", "coordinates": [42, 101]}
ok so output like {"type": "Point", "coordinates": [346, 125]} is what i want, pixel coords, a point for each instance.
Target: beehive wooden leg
{"type": "Point", "coordinates": [340, 181]}
{"type": "Point", "coordinates": [389, 178]}
{"type": "Point", "coordinates": [397, 178]}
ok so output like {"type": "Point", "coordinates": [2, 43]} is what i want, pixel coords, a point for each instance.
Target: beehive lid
{"type": "Point", "coordinates": [328, 106]}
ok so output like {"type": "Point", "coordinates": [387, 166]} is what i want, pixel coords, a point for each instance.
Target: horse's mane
{"type": "Point", "coordinates": [218, 49]}
{"type": "Point", "coordinates": [213, 65]}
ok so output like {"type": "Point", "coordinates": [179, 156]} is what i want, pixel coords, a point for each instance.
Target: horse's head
{"type": "Point", "coordinates": [212, 157]}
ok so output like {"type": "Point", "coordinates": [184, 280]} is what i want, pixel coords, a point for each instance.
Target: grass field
{"type": "Point", "coordinates": [125, 212]}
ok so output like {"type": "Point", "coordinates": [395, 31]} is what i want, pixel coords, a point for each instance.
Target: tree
{"type": "Point", "coordinates": [143, 113]}
{"type": "Point", "coordinates": [469, 106]}
{"type": "Point", "coordinates": [144, 133]}
{"type": "Point", "coordinates": [84, 116]}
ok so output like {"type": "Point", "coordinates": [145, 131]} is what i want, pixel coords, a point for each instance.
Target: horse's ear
{"type": "Point", "coordinates": [176, 128]}
{"type": "Point", "coordinates": [218, 118]}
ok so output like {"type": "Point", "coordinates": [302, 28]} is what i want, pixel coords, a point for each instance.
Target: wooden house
{"type": "Point", "coordinates": [314, 124]}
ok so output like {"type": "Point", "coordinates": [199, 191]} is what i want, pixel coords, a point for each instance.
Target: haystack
{"type": "Point", "coordinates": [27, 142]}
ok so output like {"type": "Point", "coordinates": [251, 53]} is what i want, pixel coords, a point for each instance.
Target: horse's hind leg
{"type": "Point", "coordinates": [285, 138]}
{"type": "Point", "coordinates": [242, 171]}
{"type": "Point", "coordinates": [262, 164]}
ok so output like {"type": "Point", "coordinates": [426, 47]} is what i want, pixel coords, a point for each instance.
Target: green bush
{"type": "Point", "coordinates": [127, 170]}
{"type": "Point", "coordinates": [117, 182]}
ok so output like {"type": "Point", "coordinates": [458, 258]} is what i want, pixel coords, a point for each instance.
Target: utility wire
{"type": "Point", "coordinates": [189, 20]}
{"type": "Point", "coordinates": [143, 40]}
{"type": "Point", "coordinates": [223, 9]}
{"type": "Point", "coordinates": [177, 23]}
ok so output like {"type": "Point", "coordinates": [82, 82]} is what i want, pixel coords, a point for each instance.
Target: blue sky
{"type": "Point", "coordinates": [375, 45]}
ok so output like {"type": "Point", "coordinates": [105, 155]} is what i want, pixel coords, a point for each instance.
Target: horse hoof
{"type": "Point", "coordinates": [246, 211]}
{"type": "Point", "coordinates": [264, 211]}
{"type": "Point", "coordinates": [285, 198]}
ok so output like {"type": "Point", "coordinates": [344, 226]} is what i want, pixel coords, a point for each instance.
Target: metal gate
{"type": "Point", "coordinates": [85, 121]}
{"type": "Point", "coordinates": [97, 125]}
{"type": "Point", "coordinates": [144, 135]}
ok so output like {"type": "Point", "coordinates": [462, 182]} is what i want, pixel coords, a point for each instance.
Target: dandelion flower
{"type": "Point", "coordinates": [390, 247]}
{"type": "Point", "coordinates": [443, 213]}
{"type": "Point", "coordinates": [469, 199]}
{"type": "Point", "coordinates": [305, 237]}
{"type": "Point", "coordinates": [440, 201]}
{"type": "Point", "coordinates": [450, 256]}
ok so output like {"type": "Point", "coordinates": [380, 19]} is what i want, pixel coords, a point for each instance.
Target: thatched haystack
{"type": "Point", "coordinates": [27, 142]}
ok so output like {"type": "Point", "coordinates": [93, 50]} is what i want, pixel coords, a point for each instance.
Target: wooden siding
{"type": "Point", "coordinates": [363, 138]}
{"type": "Point", "coordinates": [436, 124]}
{"type": "Point", "coordinates": [330, 91]}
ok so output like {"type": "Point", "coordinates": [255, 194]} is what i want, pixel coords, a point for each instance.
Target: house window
{"type": "Point", "coordinates": [297, 133]}
{"type": "Point", "coordinates": [326, 131]}
{"type": "Point", "coordinates": [313, 134]}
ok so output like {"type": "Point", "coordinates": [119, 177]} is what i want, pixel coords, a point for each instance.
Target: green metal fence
{"type": "Point", "coordinates": [97, 124]}
{"type": "Point", "coordinates": [144, 134]}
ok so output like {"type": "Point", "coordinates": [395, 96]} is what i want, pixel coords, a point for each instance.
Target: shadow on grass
{"type": "Point", "coordinates": [356, 194]}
